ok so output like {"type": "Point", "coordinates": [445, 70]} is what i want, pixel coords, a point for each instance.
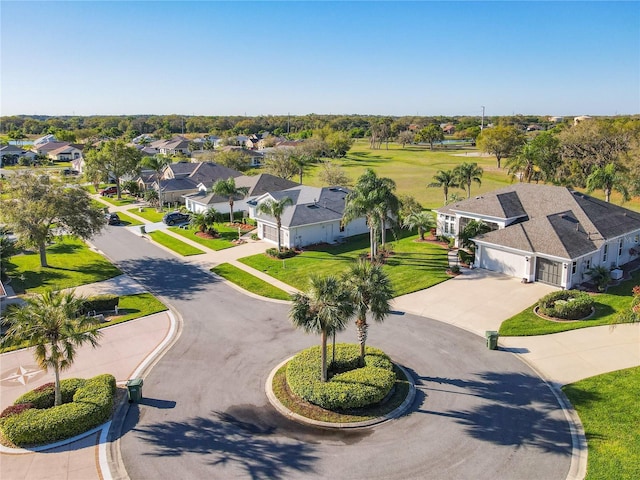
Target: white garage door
{"type": "Point", "coordinates": [504, 262]}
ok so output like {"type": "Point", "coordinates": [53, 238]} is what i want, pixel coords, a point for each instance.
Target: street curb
{"type": "Point", "coordinates": [399, 411]}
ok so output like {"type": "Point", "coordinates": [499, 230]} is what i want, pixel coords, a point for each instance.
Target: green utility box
{"type": "Point", "coordinates": [143, 230]}
{"type": "Point", "coordinates": [134, 389]}
{"type": "Point", "coordinates": [492, 339]}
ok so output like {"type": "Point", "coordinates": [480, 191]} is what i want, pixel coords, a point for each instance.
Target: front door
{"type": "Point", "coordinates": [548, 271]}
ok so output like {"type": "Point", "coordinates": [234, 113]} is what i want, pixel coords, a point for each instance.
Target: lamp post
{"type": "Point", "coordinates": [482, 121]}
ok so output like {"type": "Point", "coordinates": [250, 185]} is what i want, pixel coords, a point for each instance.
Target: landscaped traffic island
{"type": "Point", "coordinates": [34, 420]}
{"type": "Point", "coordinates": [352, 393]}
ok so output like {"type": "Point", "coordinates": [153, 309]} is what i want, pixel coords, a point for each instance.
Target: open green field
{"type": "Point", "coordinates": [607, 306]}
{"type": "Point", "coordinates": [174, 244]}
{"type": "Point", "coordinates": [71, 263]}
{"type": "Point", "coordinates": [413, 167]}
{"type": "Point", "coordinates": [249, 282]}
{"type": "Point", "coordinates": [608, 408]}
{"type": "Point", "coordinates": [413, 266]}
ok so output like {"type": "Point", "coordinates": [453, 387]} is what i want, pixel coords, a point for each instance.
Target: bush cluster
{"type": "Point", "coordinates": [284, 253]}
{"type": "Point", "coordinates": [100, 303]}
{"type": "Point", "coordinates": [91, 405]}
{"type": "Point", "coordinates": [566, 304]}
{"type": "Point", "coordinates": [350, 386]}
{"type": "Point", "coordinates": [44, 395]}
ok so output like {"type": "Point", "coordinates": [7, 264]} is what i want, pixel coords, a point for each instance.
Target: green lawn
{"type": "Point", "coordinates": [149, 213]}
{"type": "Point", "coordinates": [71, 263]}
{"type": "Point", "coordinates": [226, 235]}
{"type": "Point", "coordinates": [414, 266]}
{"type": "Point", "coordinates": [607, 305]}
{"type": "Point", "coordinates": [608, 408]}
{"type": "Point", "coordinates": [128, 221]}
{"type": "Point", "coordinates": [130, 307]}
{"type": "Point", "coordinates": [249, 282]}
{"type": "Point", "coordinates": [174, 244]}
{"type": "Point", "coordinates": [125, 200]}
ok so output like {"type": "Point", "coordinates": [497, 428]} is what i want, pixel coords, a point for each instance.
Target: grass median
{"type": "Point", "coordinates": [174, 244]}
{"type": "Point", "coordinates": [249, 282]}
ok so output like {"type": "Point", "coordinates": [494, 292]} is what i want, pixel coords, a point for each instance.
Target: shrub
{"type": "Point", "coordinates": [466, 257]}
{"type": "Point", "coordinates": [352, 387]}
{"type": "Point", "coordinates": [284, 253]}
{"type": "Point", "coordinates": [254, 236]}
{"type": "Point", "coordinates": [91, 405]}
{"type": "Point", "coordinates": [15, 409]}
{"type": "Point", "coordinates": [44, 395]}
{"type": "Point", "coordinates": [566, 304]}
{"type": "Point", "coordinates": [100, 303]}
{"type": "Point", "coordinates": [455, 269]}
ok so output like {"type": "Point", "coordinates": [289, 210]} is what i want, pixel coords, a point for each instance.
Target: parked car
{"type": "Point", "coordinates": [109, 191]}
{"type": "Point", "coordinates": [175, 217]}
{"type": "Point", "coordinates": [70, 171]}
{"type": "Point", "coordinates": [112, 218]}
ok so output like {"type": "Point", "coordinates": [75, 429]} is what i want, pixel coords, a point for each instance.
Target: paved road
{"type": "Point", "coordinates": [478, 413]}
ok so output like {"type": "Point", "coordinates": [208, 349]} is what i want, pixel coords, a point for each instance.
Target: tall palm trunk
{"type": "Point", "coordinates": [383, 231]}
{"type": "Point", "coordinates": [607, 194]}
{"type": "Point", "coordinates": [279, 226]}
{"type": "Point", "coordinates": [446, 194]}
{"type": "Point", "coordinates": [323, 356]}
{"type": "Point", "coordinates": [231, 210]}
{"type": "Point", "coordinates": [362, 327]}
{"type": "Point", "coordinates": [56, 386]}
{"type": "Point", "coordinates": [42, 248]}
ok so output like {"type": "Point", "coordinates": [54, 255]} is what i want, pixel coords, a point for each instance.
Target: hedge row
{"type": "Point", "coordinates": [91, 405]}
{"type": "Point", "coordinates": [352, 387]}
{"type": "Point", "coordinates": [566, 304]}
{"type": "Point", "coordinates": [284, 253]}
{"type": "Point", "coordinates": [44, 396]}
{"type": "Point", "coordinates": [100, 303]}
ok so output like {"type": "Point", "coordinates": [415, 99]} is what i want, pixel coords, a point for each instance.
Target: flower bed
{"type": "Point", "coordinates": [566, 305]}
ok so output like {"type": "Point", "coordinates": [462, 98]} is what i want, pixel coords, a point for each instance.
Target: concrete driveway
{"type": "Point", "coordinates": [477, 300]}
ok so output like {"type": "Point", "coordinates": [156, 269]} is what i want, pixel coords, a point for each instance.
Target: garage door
{"type": "Point", "coordinates": [548, 271]}
{"type": "Point", "coordinates": [504, 262]}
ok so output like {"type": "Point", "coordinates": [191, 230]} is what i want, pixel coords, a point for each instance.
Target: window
{"type": "Point", "coordinates": [587, 264]}
{"type": "Point", "coordinates": [605, 252]}
{"type": "Point", "coordinates": [620, 248]}
{"type": "Point", "coordinates": [449, 224]}
{"type": "Point", "coordinates": [574, 266]}
{"type": "Point", "coordinates": [342, 227]}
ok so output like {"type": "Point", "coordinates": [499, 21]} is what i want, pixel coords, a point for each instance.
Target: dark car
{"type": "Point", "coordinates": [112, 218]}
{"type": "Point", "coordinates": [70, 171]}
{"type": "Point", "coordinates": [175, 217]}
{"type": "Point", "coordinates": [109, 191]}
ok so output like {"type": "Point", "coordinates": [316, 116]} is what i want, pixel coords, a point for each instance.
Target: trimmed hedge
{"type": "Point", "coordinates": [100, 303]}
{"type": "Point", "coordinates": [44, 395]}
{"type": "Point", "coordinates": [350, 387]}
{"type": "Point", "coordinates": [566, 304]}
{"type": "Point", "coordinates": [92, 404]}
{"type": "Point", "coordinates": [284, 253]}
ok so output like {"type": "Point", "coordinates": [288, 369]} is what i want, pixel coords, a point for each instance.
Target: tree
{"type": "Point", "coordinates": [114, 159]}
{"type": "Point", "coordinates": [608, 178]}
{"type": "Point", "coordinates": [368, 199]}
{"type": "Point", "coordinates": [332, 174]}
{"type": "Point", "coordinates": [405, 137]}
{"type": "Point", "coordinates": [37, 210]}
{"type": "Point", "coordinates": [408, 205]}
{"type": "Point", "coordinates": [157, 163]}
{"type": "Point", "coordinates": [466, 173]}
{"type": "Point", "coordinates": [236, 159]}
{"type": "Point", "coordinates": [7, 250]}
{"type": "Point", "coordinates": [423, 221]}
{"type": "Point", "coordinates": [276, 208]}
{"type": "Point", "coordinates": [227, 188]}
{"type": "Point", "coordinates": [52, 324]}
{"type": "Point", "coordinates": [444, 179]}
{"type": "Point", "coordinates": [471, 230]}
{"type": "Point", "coordinates": [302, 159]}
{"type": "Point", "coordinates": [280, 163]}
{"type": "Point", "coordinates": [523, 163]}
{"type": "Point", "coordinates": [545, 149]}
{"type": "Point", "coordinates": [501, 141]}
{"type": "Point", "coordinates": [323, 309]}
{"type": "Point", "coordinates": [339, 144]}
{"type": "Point", "coordinates": [430, 133]}
{"type": "Point", "coordinates": [371, 291]}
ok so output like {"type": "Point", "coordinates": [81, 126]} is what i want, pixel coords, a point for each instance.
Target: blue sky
{"type": "Point", "coordinates": [261, 58]}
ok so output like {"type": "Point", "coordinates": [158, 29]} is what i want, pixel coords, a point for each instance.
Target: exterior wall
{"type": "Point", "coordinates": [222, 207]}
{"type": "Point", "coordinates": [514, 264]}
{"type": "Point", "coordinates": [302, 236]}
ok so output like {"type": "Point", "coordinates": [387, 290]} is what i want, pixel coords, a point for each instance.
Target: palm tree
{"type": "Point", "coordinates": [466, 173]}
{"type": "Point", "coordinates": [608, 178]}
{"type": "Point", "coordinates": [157, 163]}
{"type": "Point", "coordinates": [50, 322]}
{"type": "Point", "coordinates": [371, 291]}
{"type": "Point", "coordinates": [423, 221]}
{"type": "Point", "coordinates": [523, 163]}
{"type": "Point", "coordinates": [324, 308]}
{"type": "Point", "coordinates": [470, 230]}
{"type": "Point", "coordinates": [373, 198]}
{"type": "Point", "coordinates": [199, 221]}
{"type": "Point", "coordinates": [275, 208]}
{"type": "Point", "coordinates": [227, 188]}
{"type": "Point", "coordinates": [445, 179]}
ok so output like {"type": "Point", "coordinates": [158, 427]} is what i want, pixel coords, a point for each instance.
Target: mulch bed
{"type": "Point", "coordinates": [206, 235]}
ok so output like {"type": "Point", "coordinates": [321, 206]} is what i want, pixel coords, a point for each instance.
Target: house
{"type": "Point", "coordinates": [174, 146]}
{"type": "Point", "coordinates": [257, 185]}
{"type": "Point", "coordinates": [65, 154]}
{"type": "Point", "coordinates": [545, 233]}
{"type": "Point", "coordinates": [46, 147]}
{"type": "Point", "coordinates": [556, 119]}
{"type": "Point", "coordinates": [315, 217]}
{"type": "Point", "coordinates": [11, 154]}
{"type": "Point", "coordinates": [182, 178]}
{"type": "Point", "coordinates": [449, 129]}
{"type": "Point", "coordinates": [255, 159]}
{"type": "Point", "coordinates": [534, 128]}
{"type": "Point", "coordinates": [45, 139]}
{"type": "Point", "coordinates": [581, 118]}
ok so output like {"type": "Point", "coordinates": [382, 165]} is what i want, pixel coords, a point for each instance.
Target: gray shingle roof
{"type": "Point", "coordinates": [548, 219]}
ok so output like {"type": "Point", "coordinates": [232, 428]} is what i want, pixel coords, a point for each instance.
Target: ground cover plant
{"type": "Point", "coordinates": [607, 406]}
{"type": "Point", "coordinates": [249, 282]}
{"type": "Point", "coordinates": [413, 266]}
{"type": "Point", "coordinates": [298, 405]}
{"type": "Point", "coordinates": [607, 307]}
{"type": "Point", "coordinates": [71, 263]}
{"type": "Point", "coordinates": [86, 404]}
{"type": "Point", "coordinates": [174, 244]}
